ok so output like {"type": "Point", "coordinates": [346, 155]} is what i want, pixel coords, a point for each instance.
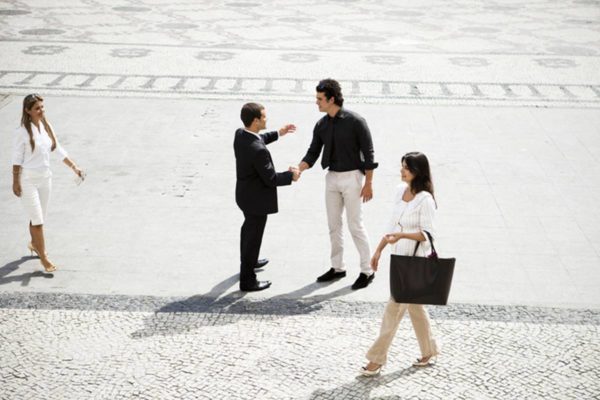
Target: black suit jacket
{"type": "Point", "coordinates": [257, 181]}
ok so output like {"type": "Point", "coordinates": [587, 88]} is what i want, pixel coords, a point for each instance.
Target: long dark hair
{"type": "Point", "coordinates": [418, 165]}
{"type": "Point", "coordinates": [28, 103]}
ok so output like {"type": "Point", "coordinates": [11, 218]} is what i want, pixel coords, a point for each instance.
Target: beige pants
{"type": "Point", "coordinates": [342, 191]}
{"type": "Point", "coordinates": [391, 319]}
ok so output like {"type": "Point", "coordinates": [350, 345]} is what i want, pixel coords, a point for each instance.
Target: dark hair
{"type": "Point", "coordinates": [418, 165]}
{"type": "Point", "coordinates": [249, 112]}
{"type": "Point", "coordinates": [28, 102]}
{"type": "Point", "coordinates": [331, 88]}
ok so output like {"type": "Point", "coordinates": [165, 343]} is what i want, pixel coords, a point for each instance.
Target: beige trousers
{"type": "Point", "coordinates": [391, 319]}
{"type": "Point", "coordinates": [342, 191]}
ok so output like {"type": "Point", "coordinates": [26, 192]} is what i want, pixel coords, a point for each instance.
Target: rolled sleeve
{"type": "Point", "coordinates": [314, 150]}
{"type": "Point", "coordinates": [19, 143]}
{"type": "Point", "coordinates": [366, 145]}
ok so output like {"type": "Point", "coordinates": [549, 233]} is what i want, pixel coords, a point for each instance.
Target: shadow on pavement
{"type": "Point", "coordinates": [23, 278]}
{"type": "Point", "coordinates": [173, 318]}
{"type": "Point", "coordinates": [362, 386]}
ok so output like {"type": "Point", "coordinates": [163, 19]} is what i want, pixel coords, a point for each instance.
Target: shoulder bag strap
{"type": "Point", "coordinates": [433, 252]}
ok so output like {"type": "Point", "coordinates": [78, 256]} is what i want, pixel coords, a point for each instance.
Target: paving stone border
{"type": "Point", "coordinates": [234, 304]}
{"type": "Point", "coordinates": [297, 89]}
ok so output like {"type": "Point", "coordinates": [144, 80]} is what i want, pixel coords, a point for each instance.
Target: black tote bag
{"type": "Point", "coordinates": [421, 280]}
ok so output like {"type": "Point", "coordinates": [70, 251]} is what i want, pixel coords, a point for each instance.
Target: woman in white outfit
{"type": "Point", "coordinates": [413, 214]}
{"type": "Point", "coordinates": [33, 143]}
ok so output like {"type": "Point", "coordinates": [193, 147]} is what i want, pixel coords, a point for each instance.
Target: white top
{"type": "Point", "coordinates": [40, 158]}
{"type": "Point", "coordinates": [413, 216]}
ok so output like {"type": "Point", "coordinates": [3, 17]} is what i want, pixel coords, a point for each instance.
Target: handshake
{"type": "Point", "coordinates": [295, 173]}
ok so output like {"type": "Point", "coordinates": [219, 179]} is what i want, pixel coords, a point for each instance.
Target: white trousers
{"type": "Point", "coordinates": [342, 191]}
{"type": "Point", "coordinates": [35, 194]}
{"type": "Point", "coordinates": [391, 319]}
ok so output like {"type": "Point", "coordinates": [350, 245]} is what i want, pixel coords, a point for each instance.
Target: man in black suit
{"type": "Point", "coordinates": [256, 188]}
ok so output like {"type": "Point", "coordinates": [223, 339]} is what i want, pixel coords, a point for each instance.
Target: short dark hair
{"type": "Point", "coordinates": [418, 165]}
{"type": "Point", "coordinates": [249, 112]}
{"type": "Point", "coordinates": [331, 88]}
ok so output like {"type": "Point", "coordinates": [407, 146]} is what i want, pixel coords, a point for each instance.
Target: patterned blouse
{"type": "Point", "coordinates": [413, 216]}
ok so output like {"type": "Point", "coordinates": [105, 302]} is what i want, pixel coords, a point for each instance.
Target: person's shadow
{"type": "Point", "coordinates": [171, 319]}
{"type": "Point", "coordinates": [25, 278]}
{"type": "Point", "coordinates": [362, 386]}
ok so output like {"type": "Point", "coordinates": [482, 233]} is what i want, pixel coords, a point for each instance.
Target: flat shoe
{"type": "Point", "coordinates": [428, 362]}
{"type": "Point", "coordinates": [367, 372]}
{"type": "Point", "coordinates": [331, 275]}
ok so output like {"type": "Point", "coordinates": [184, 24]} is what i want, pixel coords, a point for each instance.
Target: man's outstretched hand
{"type": "Point", "coordinates": [289, 128]}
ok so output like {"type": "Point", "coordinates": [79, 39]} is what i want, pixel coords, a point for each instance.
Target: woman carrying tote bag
{"type": "Point", "coordinates": [413, 215]}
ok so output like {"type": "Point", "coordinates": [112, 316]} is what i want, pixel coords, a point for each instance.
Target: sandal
{"type": "Point", "coordinates": [48, 266]}
{"type": "Point", "coordinates": [32, 249]}
{"type": "Point", "coordinates": [425, 361]}
{"type": "Point", "coordinates": [365, 371]}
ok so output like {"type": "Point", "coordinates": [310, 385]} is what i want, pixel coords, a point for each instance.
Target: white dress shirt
{"type": "Point", "coordinates": [39, 159]}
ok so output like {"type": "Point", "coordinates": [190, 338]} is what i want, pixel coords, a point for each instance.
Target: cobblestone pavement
{"type": "Point", "coordinates": [502, 95]}
{"type": "Point", "coordinates": [103, 347]}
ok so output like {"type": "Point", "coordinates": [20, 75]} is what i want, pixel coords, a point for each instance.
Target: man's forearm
{"type": "Point", "coordinates": [369, 176]}
{"type": "Point", "coordinates": [303, 166]}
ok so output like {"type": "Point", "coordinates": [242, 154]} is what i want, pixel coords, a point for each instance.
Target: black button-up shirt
{"type": "Point", "coordinates": [346, 140]}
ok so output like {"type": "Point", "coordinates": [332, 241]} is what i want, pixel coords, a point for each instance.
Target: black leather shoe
{"type": "Point", "coordinates": [257, 286]}
{"type": "Point", "coordinates": [363, 281]}
{"type": "Point", "coordinates": [262, 262]}
{"type": "Point", "coordinates": [331, 275]}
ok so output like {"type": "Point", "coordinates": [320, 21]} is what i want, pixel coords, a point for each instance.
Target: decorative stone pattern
{"type": "Point", "coordinates": [129, 52]}
{"type": "Point", "coordinates": [291, 89]}
{"type": "Point", "coordinates": [390, 52]}
{"type": "Point", "coordinates": [235, 304]}
{"type": "Point", "coordinates": [388, 26]}
{"type": "Point", "coordinates": [74, 346]}
{"type": "Point", "coordinates": [43, 50]}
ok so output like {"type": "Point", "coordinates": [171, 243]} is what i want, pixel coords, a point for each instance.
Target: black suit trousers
{"type": "Point", "coordinates": [250, 240]}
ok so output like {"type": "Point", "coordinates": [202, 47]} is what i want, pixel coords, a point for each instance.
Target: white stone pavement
{"type": "Point", "coordinates": [502, 96]}
{"type": "Point", "coordinates": [517, 192]}
{"type": "Point", "coordinates": [517, 186]}
{"type": "Point", "coordinates": [142, 355]}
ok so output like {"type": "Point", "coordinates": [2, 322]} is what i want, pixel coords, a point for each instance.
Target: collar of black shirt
{"type": "Point", "coordinates": [340, 114]}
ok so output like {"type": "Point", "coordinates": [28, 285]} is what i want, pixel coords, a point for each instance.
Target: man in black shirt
{"type": "Point", "coordinates": [348, 153]}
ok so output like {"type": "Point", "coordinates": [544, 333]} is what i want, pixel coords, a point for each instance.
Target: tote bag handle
{"type": "Point", "coordinates": [433, 252]}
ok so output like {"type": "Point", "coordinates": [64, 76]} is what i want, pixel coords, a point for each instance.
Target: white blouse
{"type": "Point", "coordinates": [413, 216]}
{"type": "Point", "coordinates": [40, 158]}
